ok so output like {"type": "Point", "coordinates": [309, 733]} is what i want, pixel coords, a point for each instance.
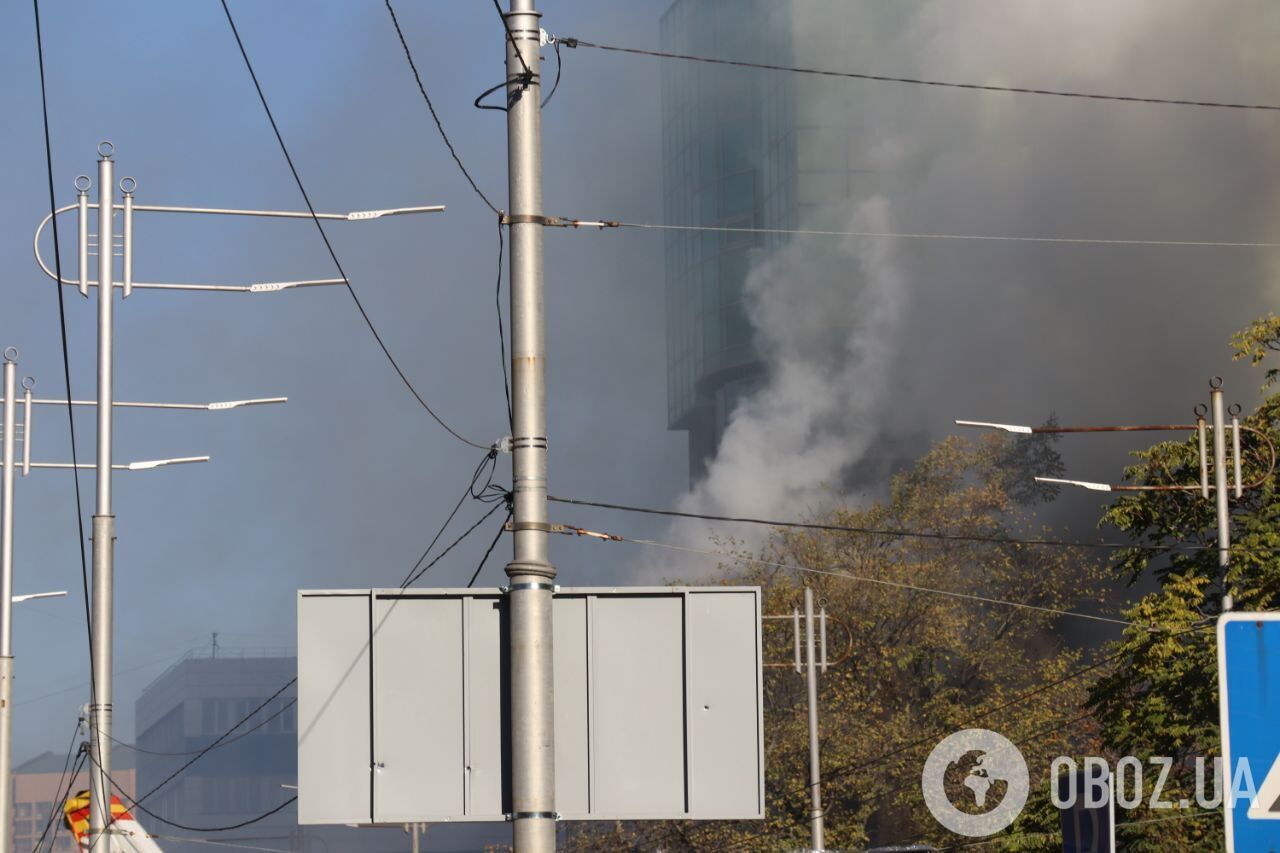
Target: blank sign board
{"type": "Point", "coordinates": [402, 695]}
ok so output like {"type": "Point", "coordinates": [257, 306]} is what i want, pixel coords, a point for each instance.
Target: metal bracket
{"type": "Point", "coordinates": [504, 444]}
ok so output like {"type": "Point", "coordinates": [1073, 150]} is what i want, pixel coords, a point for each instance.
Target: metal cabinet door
{"type": "Point", "coordinates": [418, 726]}
{"type": "Point", "coordinates": [333, 709]}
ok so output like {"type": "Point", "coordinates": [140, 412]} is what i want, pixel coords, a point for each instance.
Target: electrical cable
{"type": "Point", "coordinates": [325, 237]}
{"type": "Point", "coordinates": [62, 778]}
{"type": "Point", "coordinates": [909, 235]}
{"type": "Point", "coordinates": [501, 529]}
{"type": "Point", "coordinates": [881, 78]}
{"type": "Point", "coordinates": [528, 74]}
{"type": "Point", "coordinates": [987, 712]}
{"type": "Point", "coordinates": [201, 754]}
{"type": "Point", "coordinates": [489, 460]}
{"type": "Point", "coordinates": [910, 534]}
{"type": "Point", "coordinates": [982, 599]}
{"type": "Point", "coordinates": [559, 65]}
{"type": "Point", "coordinates": [66, 360]}
{"type": "Point", "coordinates": [66, 792]}
{"type": "Point", "coordinates": [186, 839]}
{"type": "Point", "coordinates": [136, 804]}
{"type": "Point", "coordinates": [431, 107]}
{"type": "Point", "coordinates": [453, 544]}
{"type": "Point", "coordinates": [502, 335]}
{"type": "Point", "coordinates": [286, 706]}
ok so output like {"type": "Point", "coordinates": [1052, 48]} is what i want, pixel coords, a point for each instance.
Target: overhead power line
{"type": "Point", "coordinates": [66, 358]}
{"type": "Point", "coordinates": [201, 754]}
{"type": "Point", "coordinates": [601, 224]}
{"type": "Point", "coordinates": [909, 534]}
{"type": "Point", "coordinates": [136, 804]}
{"type": "Point", "coordinates": [569, 41]}
{"type": "Point", "coordinates": [434, 115]}
{"type": "Point", "coordinates": [244, 734]}
{"type": "Point", "coordinates": [982, 599]}
{"type": "Point", "coordinates": [329, 246]}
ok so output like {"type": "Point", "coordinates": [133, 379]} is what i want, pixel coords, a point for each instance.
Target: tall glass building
{"type": "Point", "coordinates": [748, 149]}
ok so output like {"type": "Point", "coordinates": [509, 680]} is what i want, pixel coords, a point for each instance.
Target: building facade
{"type": "Point", "coordinates": [746, 148]}
{"type": "Point", "coordinates": [190, 706]}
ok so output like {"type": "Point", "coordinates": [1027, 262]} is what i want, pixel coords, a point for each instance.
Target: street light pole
{"type": "Point", "coordinates": [6, 605]}
{"type": "Point", "coordinates": [816, 817]}
{"type": "Point", "coordinates": [104, 524]}
{"type": "Point", "coordinates": [532, 577]}
{"type": "Point", "coordinates": [103, 537]}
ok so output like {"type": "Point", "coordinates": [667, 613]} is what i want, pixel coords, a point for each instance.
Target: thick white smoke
{"type": "Point", "coordinates": [827, 321]}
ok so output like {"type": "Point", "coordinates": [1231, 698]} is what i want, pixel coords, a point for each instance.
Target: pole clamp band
{"type": "Point", "coordinates": [516, 587]}
{"type": "Point", "coordinates": [537, 442]}
{"type": "Point", "coordinates": [533, 816]}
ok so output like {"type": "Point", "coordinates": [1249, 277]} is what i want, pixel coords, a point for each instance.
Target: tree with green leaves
{"type": "Point", "coordinates": [1160, 697]}
{"type": "Point", "coordinates": [950, 629]}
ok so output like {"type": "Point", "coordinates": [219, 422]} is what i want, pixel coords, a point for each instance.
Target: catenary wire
{"type": "Point", "coordinates": [920, 235]}
{"type": "Point", "coordinates": [285, 707]}
{"type": "Point", "coordinates": [909, 534]}
{"type": "Point", "coordinates": [571, 42]}
{"type": "Point", "coordinates": [329, 246]}
{"type": "Point", "coordinates": [982, 599]}
{"type": "Point", "coordinates": [186, 839]}
{"type": "Point", "coordinates": [66, 359]}
{"type": "Point", "coordinates": [1019, 699]}
{"type": "Point", "coordinates": [136, 804]}
{"type": "Point", "coordinates": [434, 115]}
{"type": "Point", "coordinates": [202, 753]}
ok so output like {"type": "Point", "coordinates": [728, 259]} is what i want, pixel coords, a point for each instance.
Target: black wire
{"type": "Point", "coordinates": [908, 534]}
{"type": "Point", "coordinates": [71, 750]}
{"type": "Point", "coordinates": [325, 237]}
{"type": "Point", "coordinates": [138, 805]}
{"type": "Point", "coordinates": [556, 84]}
{"type": "Point", "coordinates": [502, 335]}
{"type": "Point", "coordinates": [501, 529]}
{"type": "Point", "coordinates": [203, 752]}
{"type": "Point", "coordinates": [57, 824]}
{"type": "Point", "coordinates": [525, 78]}
{"type": "Point", "coordinates": [439, 126]}
{"type": "Point", "coordinates": [453, 544]}
{"type": "Point", "coordinates": [502, 16]}
{"type": "Point", "coordinates": [66, 359]}
{"type": "Point", "coordinates": [490, 460]}
{"type": "Point", "coordinates": [1016, 700]}
{"type": "Point", "coordinates": [1021, 90]}
{"type": "Point", "coordinates": [226, 742]}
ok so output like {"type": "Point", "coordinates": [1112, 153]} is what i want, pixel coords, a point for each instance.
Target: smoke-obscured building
{"type": "Point", "coordinates": [191, 705]}
{"type": "Point", "coordinates": [746, 148]}
{"type": "Point", "coordinates": [38, 789]}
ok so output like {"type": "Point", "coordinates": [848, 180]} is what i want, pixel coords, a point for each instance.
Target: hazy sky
{"type": "Point", "coordinates": [344, 486]}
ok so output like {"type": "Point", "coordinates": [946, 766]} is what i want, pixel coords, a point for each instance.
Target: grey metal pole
{"type": "Point", "coordinates": [103, 526]}
{"type": "Point", "coordinates": [6, 604]}
{"type": "Point", "coordinates": [815, 760]}
{"type": "Point", "coordinates": [1220, 486]}
{"type": "Point", "coordinates": [530, 571]}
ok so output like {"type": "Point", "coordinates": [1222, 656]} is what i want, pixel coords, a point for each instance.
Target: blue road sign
{"type": "Point", "coordinates": [1249, 691]}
